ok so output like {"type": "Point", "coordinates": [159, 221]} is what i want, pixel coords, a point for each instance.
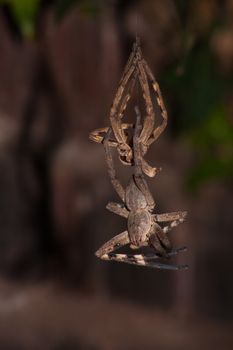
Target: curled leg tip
{"type": "Point", "coordinates": [151, 172]}
{"type": "Point", "coordinates": [97, 253]}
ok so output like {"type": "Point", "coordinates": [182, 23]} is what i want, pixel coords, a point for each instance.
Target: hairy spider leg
{"type": "Point", "coordinates": [143, 260]}
{"type": "Point", "coordinates": [115, 116]}
{"type": "Point", "coordinates": [148, 257]}
{"type": "Point", "coordinates": [106, 253]}
{"type": "Point", "coordinates": [177, 215]}
{"type": "Point", "coordinates": [148, 124]}
{"type": "Point", "coordinates": [138, 174]}
{"type": "Point", "coordinates": [131, 59]}
{"type": "Point", "coordinates": [99, 134]}
{"type": "Point", "coordinates": [173, 224]}
{"type": "Point", "coordinates": [116, 242]}
{"type": "Point", "coordinates": [159, 240]}
{"type": "Point", "coordinates": [111, 170]}
{"type": "Point", "coordinates": [118, 209]}
{"type": "Point", "coordinates": [120, 101]}
{"type": "Point", "coordinates": [157, 132]}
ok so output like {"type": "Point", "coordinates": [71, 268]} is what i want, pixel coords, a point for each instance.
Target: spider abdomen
{"type": "Point", "coordinates": [139, 225]}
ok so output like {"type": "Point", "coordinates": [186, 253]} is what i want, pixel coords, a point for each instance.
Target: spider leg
{"type": "Point", "coordinates": [124, 149]}
{"type": "Point", "coordinates": [120, 102]}
{"type": "Point", "coordinates": [146, 257]}
{"type": "Point", "coordinates": [178, 215]}
{"type": "Point", "coordinates": [142, 260]}
{"type": "Point", "coordinates": [159, 240]}
{"type": "Point", "coordinates": [131, 63]}
{"type": "Point", "coordinates": [119, 134]}
{"type": "Point", "coordinates": [116, 242]}
{"type": "Point", "coordinates": [158, 236]}
{"type": "Point", "coordinates": [154, 242]}
{"type": "Point", "coordinates": [111, 171]}
{"type": "Point", "coordinates": [172, 225]}
{"type": "Point", "coordinates": [157, 132]}
{"type": "Point", "coordinates": [143, 257]}
{"type": "Point", "coordinates": [138, 175]}
{"type": "Point", "coordinates": [118, 209]}
{"type": "Point", "coordinates": [148, 126]}
{"type": "Point", "coordinates": [99, 134]}
{"type": "Point", "coordinates": [127, 97]}
{"type": "Point", "coordinates": [131, 58]}
{"type": "Point", "coordinates": [148, 169]}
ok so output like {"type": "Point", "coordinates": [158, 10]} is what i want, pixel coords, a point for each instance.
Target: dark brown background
{"type": "Point", "coordinates": [55, 87]}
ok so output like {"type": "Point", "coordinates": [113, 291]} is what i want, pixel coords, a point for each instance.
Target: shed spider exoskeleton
{"type": "Point", "coordinates": [136, 68]}
{"type": "Point", "coordinates": [143, 226]}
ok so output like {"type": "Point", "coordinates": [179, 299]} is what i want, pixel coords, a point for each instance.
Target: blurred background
{"type": "Point", "coordinates": [60, 63]}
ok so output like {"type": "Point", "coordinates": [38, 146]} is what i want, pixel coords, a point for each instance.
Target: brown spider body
{"type": "Point", "coordinates": [142, 224]}
{"type": "Point", "coordinates": [139, 218]}
{"type": "Point", "coordinates": [139, 226]}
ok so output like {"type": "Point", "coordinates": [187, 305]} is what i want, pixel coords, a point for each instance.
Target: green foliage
{"type": "Point", "coordinates": [216, 129]}
{"type": "Point", "coordinates": [213, 141]}
{"type": "Point", "coordinates": [198, 92]}
{"type": "Point", "coordinates": [24, 12]}
{"type": "Point", "coordinates": [196, 86]}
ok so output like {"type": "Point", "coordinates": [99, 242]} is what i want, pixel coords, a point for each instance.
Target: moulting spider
{"type": "Point", "coordinates": [144, 227]}
{"type": "Point", "coordinates": [135, 69]}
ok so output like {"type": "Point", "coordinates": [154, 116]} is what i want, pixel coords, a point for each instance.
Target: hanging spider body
{"type": "Point", "coordinates": [138, 205]}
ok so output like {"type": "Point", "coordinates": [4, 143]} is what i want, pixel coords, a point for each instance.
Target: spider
{"type": "Point", "coordinates": [136, 68]}
{"type": "Point", "coordinates": [138, 204]}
